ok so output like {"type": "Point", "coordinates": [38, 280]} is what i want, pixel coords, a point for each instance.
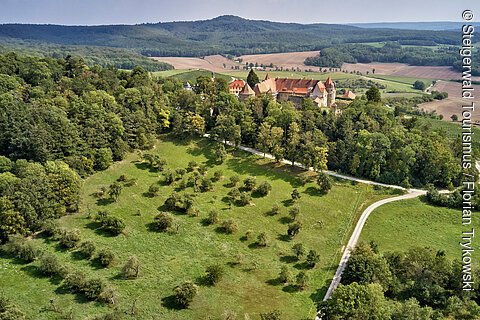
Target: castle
{"type": "Point", "coordinates": [284, 89]}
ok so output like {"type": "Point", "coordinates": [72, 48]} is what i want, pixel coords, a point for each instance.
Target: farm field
{"type": "Point", "coordinates": [216, 63]}
{"type": "Point", "coordinates": [453, 104]}
{"type": "Point", "coordinates": [249, 285]}
{"type": "Point", "coordinates": [285, 60]}
{"type": "Point", "coordinates": [401, 225]}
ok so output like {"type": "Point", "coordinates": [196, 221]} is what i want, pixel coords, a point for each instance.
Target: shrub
{"type": "Point", "coordinates": [122, 178]}
{"type": "Point", "coordinates": [295, 195]}
{"type": "Point", "coordinates": [50, 227]}
{"type": "Point", "coordinates": [302, 280]}
{"type": "Point", "coordinates": [86, 249]}
{"type": "Point", "coordinates": [324, 182]}
{"type": "Point", "coordinates": [69, 238]}
{"type": "Point", "coordinates": [294, 212]}
{"type": "Point", "coordinates": [234, 194]}
{"type": "Point", "coordinates": [298, 250]}
{"type": "Point", "coordinates": [285, 275]}
{"type": "Point", "coordinates": [249, 183]}
{"type": "Point", "coordinates": [273, 315]}
{"type": "Point", "coordinates": [163, 222]}
{"type": "Point", "coordinates": [185, 293]}
{"type": "Point", "coordinates": [180, 172]}
{"type": "Point", "coordinates": [131, 269]}
{"type": "Point", "coordinates": [245, 198]}
{"type": "Point", "coordinates": [275, 209]}
{"type": "Point", "coordinates": [112, 224]}
{"type": "Point", "coordinates": [174, 202]}
{"type": "Point", "coordinates": [50, 266]}
{"type": "Point", "coordinates": [264, 188]}
{"type": "Point", "coordinates": [203, 169]}
{"type": "Point", "coordinates": [229, 226]}
{"type": "Point", "coordinates": [21, 248]}
{"type": "Point", "coordinates": [294, 229]}
{"type": "Point", "coordinates": [108, 295]}
{"type": "Point", "coordinates": [312, 258]}
{"type": "Point", "coordinates": [153, 189]}
{"type": "Point", "coordinates": [105, 257]}
{"type": "Point", "coordinates": [212, 217]}
{"type": "Point", "coordinates": [262, 239]}
{"type": "Point", "coordinates": [205, 185]}
{"type": "Point", "coordinates": [234, 180]}
{"type": "Point", "coordinates": [191, 166]}
{"type": "Point", "coordinates": [217, 175]}
{"type": "Point", "coordinates": [169, 176]}
{"type": "Point", "coordinates": [74, 282]}
{"type": "Point", "coordinates": [214, 274]}
{"type": "Point", "coordinates": [249, 235]}
{"type": "Point", "coordinates": [93, 288]}
{"type": "Point", "coordinates": [193, 212]}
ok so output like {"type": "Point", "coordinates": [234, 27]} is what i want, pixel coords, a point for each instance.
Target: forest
{"type": "Point", "coordinates": [222, 35]}
{"type": "Point", "coordinates": [420, 283]}
{"type": "Point", "coordinates": [335, 56]}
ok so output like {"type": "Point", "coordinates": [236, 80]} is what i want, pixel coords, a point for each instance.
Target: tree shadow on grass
{"type": "Point", "coordinates": [34, 272]}
{"type": "Point", "coordinates": [312, 191]}
{"type": "Point", "coordinates": [291, 288]}
{"type": "Point", "coordinates": [255, 245]}
{"type": "Point", "coordinates": [171, 303]}
{"type": "Point", "coordinates": [284, 220]}
{"type": "Point", "coordinates": [77, 256]}
{"type": "Point", "coordinates": [302, 266]}
{"type": "Point", "coordinates": [288, 259]}
{"type": "Point", "coordinates": [284, 237]}
{"type": "Point", "coordinates": [97, 228]}
{"type": "Point", "coordinates": [104, 201]}
{"type": "Point", "coordinates": [288, 202]}
{"type": "Point", "coordinates": [318, 294]}
{"type": "Point", "coordinates": [274, 282]}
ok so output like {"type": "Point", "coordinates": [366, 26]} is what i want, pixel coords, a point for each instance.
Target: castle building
{"type": "Point", "coordinates": [236, 86]}
{"type": "Point", "coordinates": [295, 90]}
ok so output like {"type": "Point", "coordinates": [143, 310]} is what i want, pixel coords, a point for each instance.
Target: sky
{"type": "Point", "coordinates": [94, 12]}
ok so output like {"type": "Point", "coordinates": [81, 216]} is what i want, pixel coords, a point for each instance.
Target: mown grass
{"type": "Point", "coordinates": [401, 225]}
{"type": "Point", "coordinates": [169, 259]}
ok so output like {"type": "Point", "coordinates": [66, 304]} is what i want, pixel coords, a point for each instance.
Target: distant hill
{"type": "Point", "coordinates": [221, 35]}
{"type": "Point", "coordinates": [433, 26]}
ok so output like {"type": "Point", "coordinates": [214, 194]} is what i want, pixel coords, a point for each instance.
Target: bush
{"type": "Point", "coordinates": [203, 169]}
{"type": "Point", "coordinates": [234, 180]}
{"type": "Point", "coordinates": [262, 239]}
{"type": "Point", "coordinates": [294, 213]}
{"type": "Point", "coordinates": [249, 183]}
{"type": "Point", "coordinates": [131, 269]}
{"type": "Point", "coordinates": [108, 295]}
{"type": "Point", "coordinates": [180, 172]}
{"type": "Point", "coordinates": [153, 189]}
{"type": "Point", "coordinates": [50, 227]}
{"type": "Point", "coordinates": [217, 175]}
{"type": "Point", "coordinates": [298, 250]}
{"type": "Point", "coordinates": [264, 188]}
{"type": "Point", "coordinates": [169, 176]}
{"type": "Point", "coordinates": [106, 257]}
{"type": "Point", "coordinates": [21, 248]}
{"type": "Point", "coordinates": [86, 249]}
{"type": "Point", "coordinates": [185, 293]}
{"type": "Point", "coordinates": [74, 282]}
{"type": "Point", "coordinates": [275, 209]}
{"type": "Point", "coordinates": [174, 202]}
{"type": "Point", "coordinates": [273, 315]}
{"type": "Point", "coordinates": [214, 274]}
{"type": "Point", "coordinates": [324, 182]}
{"type": "Point", "coordinates": [229, 226]}
{"type": "Point", "coordinates": [206, 185]}
{"type": "Point", "coordinates": [285, 275]}
{"type": "Point", "coordinates": [113, 225]}
{"type": "Point", "coordinates": [122, 178]}
{"type": "Point", "coordinates": [295, 195]}
{"type": "Point", "coordinates": [302, 280]}
{"type": "Point", "coordinates": [50, 266]}
{"type": "Point", "coordinates": [163, 222]}
{"type": "Point", "coordinates": [234, 194]}
{"type": "Point", "coordinates": [312, 258]}
{"type": "Point", "coordinates": [69, 238]}
{"type": "Point", "coordinates": [245, 198]}
{"type": "Point", "coordinates": [193, 212]}
{"type": "Point", "coordinates": [191, 166]}
{"type": "Point", "coordinates": [93, 288]}
{"type": "Point", "coordinates": [212, 217]}
{"type": "Point", "coordinates": [294, 229]}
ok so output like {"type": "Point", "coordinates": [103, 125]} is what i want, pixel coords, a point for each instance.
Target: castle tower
{"type": "Point", "coordinates": [331, 92]}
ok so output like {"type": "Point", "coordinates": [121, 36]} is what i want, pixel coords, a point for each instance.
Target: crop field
{"type": "Point", "coordinates": [249, 285]}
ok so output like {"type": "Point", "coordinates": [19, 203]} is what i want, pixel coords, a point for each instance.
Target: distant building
{"type": "Point", "coordinates": [246, 92]}
{"type": "Point", "coordinates": [236, 86]}
{"type": "Point", "coordinates": [349, 95]}
{"type": "Point", "coordinates": [187, 86]}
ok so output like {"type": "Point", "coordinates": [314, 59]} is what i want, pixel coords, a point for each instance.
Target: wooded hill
{"type": "Point", "coordinates": [221, 35]}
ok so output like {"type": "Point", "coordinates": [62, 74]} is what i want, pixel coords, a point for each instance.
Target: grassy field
{"type": "Point", "coordinates": [169, 259]}
{"type": "Point", "coordinates": [405, 224]}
